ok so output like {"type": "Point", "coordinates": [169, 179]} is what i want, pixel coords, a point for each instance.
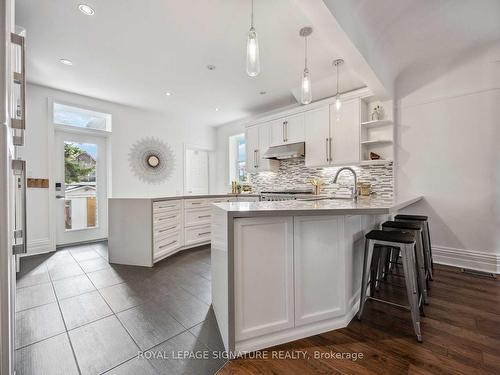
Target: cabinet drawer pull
{"type": "Point", "coordinates": [164, 230]}
{"type": "Point", "coordinates": [202, 216]}
{"type": "Point", "coordinates": [327, 153]}
{"type": "Point", "coordinates": [172, 205]}
{"type": "Point", "coordinates": [168, 244]}
{"type": "Point", "coordinates": [195, 202]}
{"type": "Point", "coordinates": [166, 218]}
{"type": "Point", "coordinates": [331, 149]}
{"type": "Point", "coordinates": [203, 233]}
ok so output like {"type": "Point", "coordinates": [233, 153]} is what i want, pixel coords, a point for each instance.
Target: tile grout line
{"type": "Point", "coordinates": [113, 314]}
{"type": "Point", "coordinates": [65, 326]}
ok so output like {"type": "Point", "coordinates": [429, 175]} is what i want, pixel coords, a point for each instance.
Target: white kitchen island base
{"type": "Point", "coordinates": [287, 270]}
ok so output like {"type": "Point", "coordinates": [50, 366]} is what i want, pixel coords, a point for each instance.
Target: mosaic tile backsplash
{"type": "Point", "coordinates": [293, 174]}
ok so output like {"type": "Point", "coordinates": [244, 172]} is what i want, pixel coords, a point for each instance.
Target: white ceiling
{"type": "Point", "coordinates": [412, 33]}
{"type": "Point", "coordinates": [132, 52]}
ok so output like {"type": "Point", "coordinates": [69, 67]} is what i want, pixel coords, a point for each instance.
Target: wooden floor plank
{"type": "Point", "coordinates": [461, 331]}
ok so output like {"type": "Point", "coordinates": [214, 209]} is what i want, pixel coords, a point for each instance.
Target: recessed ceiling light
{"type": "Point", "coordinates": [86, 9]}
{"type": "Point", "coordinates": [211, 67]}
{"type": "Point", "coordinates": [216, 109]}
{"type": "Point", "coordinates": [168, 93]}
{"type": "Point", "coordinates": [66, 62]}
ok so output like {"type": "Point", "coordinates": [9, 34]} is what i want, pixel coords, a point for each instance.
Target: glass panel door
{"type": "Point", "coordinates": [81, 187]}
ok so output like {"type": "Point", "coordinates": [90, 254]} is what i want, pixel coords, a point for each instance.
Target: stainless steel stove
{"type": "Point", "coordinates": [285, 195]}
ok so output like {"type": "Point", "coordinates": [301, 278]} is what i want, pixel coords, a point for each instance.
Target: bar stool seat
{"type": "Point", "coordinates": [375, 240]}
{"type": "Point", "coordinates": [400, 237]}
{"type": "Point", "coordinates": [416, 229]}
{"type": "Point", "coordinates": [411, 217]}
{"type": "Point", "coordinates": [424, 222]}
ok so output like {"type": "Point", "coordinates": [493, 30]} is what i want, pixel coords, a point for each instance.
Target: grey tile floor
{"type": "Point", "coordinates": [78, 314]}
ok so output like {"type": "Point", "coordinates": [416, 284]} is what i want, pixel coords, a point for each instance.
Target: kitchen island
{"type": "Point", "coordinates": [291, 269]}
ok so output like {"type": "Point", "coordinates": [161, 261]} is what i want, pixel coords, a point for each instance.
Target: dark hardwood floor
{"type": "Point", "coordinates": [461, 332]}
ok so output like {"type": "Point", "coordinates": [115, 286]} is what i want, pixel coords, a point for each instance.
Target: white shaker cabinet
{"type": "Point", "coordinates": [319, 268]}
{"type": "Point", "coordinates": [257, 143]}
{"type": "Point", "coordinates": [287, 130]}
{"type": "Point", "coordinates": [263, 260]}
{"type": "Point", "coordinates": [344, 130]}
{"type": "Point", "coordinates": [317, 137]}
{"type": "Point", "coordinates": [332, 137]}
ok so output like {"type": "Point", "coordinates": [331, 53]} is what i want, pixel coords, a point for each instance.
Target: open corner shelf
{"type": "Point", "coordinates": [376, 123]}
{"type": "Point", "coordinates": [375, 162]}
{"type": "Point", "coordinates": [376, 142]}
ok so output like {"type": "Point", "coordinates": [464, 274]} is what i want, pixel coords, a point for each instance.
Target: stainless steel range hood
{"type": "Point", "coordinates": [294, 150]}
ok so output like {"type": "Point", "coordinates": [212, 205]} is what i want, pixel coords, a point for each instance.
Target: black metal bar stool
{"type": "Point", "coordinates": [405, 242]}
{"type": "Point", "coordinates": [424, 222]}
{"type": "Point", "coordinates": [416, 229]}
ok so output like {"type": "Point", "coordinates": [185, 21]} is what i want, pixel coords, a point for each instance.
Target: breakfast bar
{"type": "Point", "coordinates": [289, 269]}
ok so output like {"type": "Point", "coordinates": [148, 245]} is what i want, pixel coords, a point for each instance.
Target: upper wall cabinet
{"type": "Point", "coordinates": [332, 137]}
{"type": "Point", "coordinates": [257, 143]}
{"type": "Point", "coordinates": [344, 131]}
{"type": "Point", "coordinates": [317, 137]}
{"type": "Point", "coordinates": [287, 130]}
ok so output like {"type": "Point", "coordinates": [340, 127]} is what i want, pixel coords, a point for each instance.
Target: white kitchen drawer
{"type": "Point", "coordinates": [167, 245]}
{"type": "Point", "coordinates": [163, 219]}
{"type": "Point", "coordinates": [196, 203]}
{"type": "Point", "coordinates": [197, 234]}
{"type": "Point", "coordinates": [165, 206]}
{"type": "Point", "coordinates": [162, 232]}
{"type": "Point", "coordinates": [198, 216]}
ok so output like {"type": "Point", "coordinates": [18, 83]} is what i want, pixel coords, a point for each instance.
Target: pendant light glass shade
{"type": "Point", "coordinates": [338, 103]}
{"type": "Point", "coordinates": [306, 94]}
{"type": "Point", "coordinates": [253, 61]}
{"type": "Point", "coordinates": [305, 87]}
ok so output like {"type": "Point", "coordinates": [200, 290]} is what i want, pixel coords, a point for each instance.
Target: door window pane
{"type": "Point", "coordinates": [80, 166]}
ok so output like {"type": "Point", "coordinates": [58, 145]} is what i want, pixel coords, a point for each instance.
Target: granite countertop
{"type": "Point", "coordinates": [338, 206]}
{"type": "Point", "coordinates": [173, 197]}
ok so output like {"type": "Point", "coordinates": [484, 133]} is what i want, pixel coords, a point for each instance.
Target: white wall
{"type": "Point", "coordinates": [448, 150]}
{"type": "Point", "coordinates": [129, 125]}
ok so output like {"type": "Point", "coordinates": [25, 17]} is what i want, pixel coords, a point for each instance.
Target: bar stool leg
{"type": "Point", "coordinates": [374, 265]}
{"type": "Point", "coordinates": [430, 246]}
{"type": "Point", "coordinates": [419, 249]}
{"type": "Point", "coordinates": [427, 249]}
{"type": "Point", "coordinates": [364, 279]}
{"type": "Point", "coordinates": [409, 267]}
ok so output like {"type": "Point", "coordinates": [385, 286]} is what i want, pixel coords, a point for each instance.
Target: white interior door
{"type": "Point", "coordinates": [196, 172]}
{"type": "Point", "coordinates": [81, 188]}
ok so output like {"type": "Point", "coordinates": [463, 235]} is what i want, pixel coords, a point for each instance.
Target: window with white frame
{"type": "Point", "coordinates": [237, 158]}
{"type": "Point", "coordinates": [68, 115]}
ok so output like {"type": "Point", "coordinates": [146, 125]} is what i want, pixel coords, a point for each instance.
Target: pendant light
{"type": "Point", "coordinates": [336, 64]}
{"type": "Point", "coordinates": [253, 63]}
{"type": "Point", "coordinates": [306, 93]}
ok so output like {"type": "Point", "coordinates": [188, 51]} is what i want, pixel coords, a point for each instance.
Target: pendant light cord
{"type": "Point", "coordinates": [337, 79]}
{"type": "Point", "coordinates": [305, 57]}
{"type": "Point", "coordinates": [251, 17]}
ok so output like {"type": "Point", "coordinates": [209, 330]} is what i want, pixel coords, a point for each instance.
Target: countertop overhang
{"type": "Point", "coordinates": [337, 206]}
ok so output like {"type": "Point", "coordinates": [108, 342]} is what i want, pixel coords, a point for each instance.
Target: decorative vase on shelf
{"type": "Point", "coordinates": [377, 113]}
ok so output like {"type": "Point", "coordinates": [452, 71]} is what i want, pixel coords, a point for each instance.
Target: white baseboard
{"type": "Point", "coordinates": [475, 260]}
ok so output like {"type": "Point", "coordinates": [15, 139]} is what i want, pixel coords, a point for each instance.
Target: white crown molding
{"type": "Point", "coordinates": [475, 260]}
